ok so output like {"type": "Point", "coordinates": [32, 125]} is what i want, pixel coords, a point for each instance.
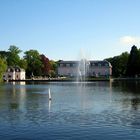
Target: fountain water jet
{"type": "Point", "coordinates": [83, 68]}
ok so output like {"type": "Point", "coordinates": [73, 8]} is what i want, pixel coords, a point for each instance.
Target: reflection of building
{"type": "Point", "coordinates": [95, 68]}
{"type": "Point", "coordinates": [14, 73]}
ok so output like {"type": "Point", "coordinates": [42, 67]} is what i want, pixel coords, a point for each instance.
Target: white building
{"type": "Point", "coordinates": [89, 68]}
{"type": "Point", "coordinates": [14, 73]}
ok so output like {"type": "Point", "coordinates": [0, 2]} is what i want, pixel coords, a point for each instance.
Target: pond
{"type": "Point", "coordinates": [92, 110]}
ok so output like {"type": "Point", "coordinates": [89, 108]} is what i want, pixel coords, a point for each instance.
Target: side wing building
{"type": "Point", "coordinates": [14, 73]}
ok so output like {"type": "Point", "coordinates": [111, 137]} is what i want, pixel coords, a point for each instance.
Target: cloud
{"type": "Point", "coordinates": [130, 40]}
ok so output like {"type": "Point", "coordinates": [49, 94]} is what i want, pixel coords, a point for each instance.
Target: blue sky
{"type": "Point", "coordinates": [66, 29]}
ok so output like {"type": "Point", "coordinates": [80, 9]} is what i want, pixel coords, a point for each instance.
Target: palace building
{"type": "Point", "coordinates": [83, 67]}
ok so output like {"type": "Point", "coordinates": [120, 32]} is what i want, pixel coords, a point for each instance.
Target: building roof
{"type": "Point", "coordinates": [67, 62]}
{"type": "Point", "coordinates": [94, 62]}
{"type": "Point", "coordinates": [16, 69]}
{"type": "Point", "coordinates": [101, 62]}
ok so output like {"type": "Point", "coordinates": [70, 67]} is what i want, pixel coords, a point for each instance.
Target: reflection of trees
{"type": "Point", "coordinates": [127, 93]}
{"type": "Point", "coordinates": [130, 86]}
{"type": "Point", "coordinates": [130, 89]}
{"type": "Point", "coordinates": [22, 103]}
{"type": "Point", "coordinates": [14, 105]}
{"type": "Point", "coordinates": [135, 103]}
{"type": "Point", "coordinates": [130, 102]}
{"type": "Point", "coordinates": [12, 98]}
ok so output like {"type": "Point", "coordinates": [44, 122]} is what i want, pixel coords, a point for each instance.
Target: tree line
{"type": "Point", "coordinates": [34, 63]}
{"type": "Point", "coordinates": [126, 64]}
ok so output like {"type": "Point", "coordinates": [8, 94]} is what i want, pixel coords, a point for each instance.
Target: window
{"type": "Point", "coordinates": [71, 65]}
{"type": "Point", "coordinates": [106, 64]}
{"type": "Point", "coordinates": [74, 64]}
{"type": "Point", "coordinates": [67, 65]}
{"type": "Point", "coordinates": [95, 64]}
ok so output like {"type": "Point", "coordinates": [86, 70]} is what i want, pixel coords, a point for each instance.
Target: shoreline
{"type": "Point", "coordinates": [59, 80]}
{"type": "Point", "coordinates": [74, 80]}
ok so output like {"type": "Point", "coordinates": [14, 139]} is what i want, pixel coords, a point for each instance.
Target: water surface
{"type": "Point", "coordinates": [93, 110]}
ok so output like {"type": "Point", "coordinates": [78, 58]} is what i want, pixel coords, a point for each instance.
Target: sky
{"type": "Point", "coordinates": [70, 29]}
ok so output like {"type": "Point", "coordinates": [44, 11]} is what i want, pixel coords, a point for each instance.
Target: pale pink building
{"type": "Point", "coordinates": [14, 73]}
{"type": "Point", "coordinates": [91, 68]}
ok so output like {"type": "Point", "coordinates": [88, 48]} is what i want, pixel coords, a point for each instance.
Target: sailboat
{"type": "Point", "coordinates": [50, 98]}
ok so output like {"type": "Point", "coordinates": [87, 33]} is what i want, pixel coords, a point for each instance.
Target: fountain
{"type": "Point", "coordinates": [83, 68]}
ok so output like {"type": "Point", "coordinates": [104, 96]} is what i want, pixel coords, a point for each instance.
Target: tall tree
{"type": "Point", "coordinates": [13, 56]}
{"type": "Point", "coordinates": [138, 62]}
{"type": "Point", "coordinates": [3, 67]}
{"type": "Point", "coordinates": [34, 63]}
{"type": "Point", "coordinates": [46, 65]}
{"type": "Point", "coordinates": [133, 62]}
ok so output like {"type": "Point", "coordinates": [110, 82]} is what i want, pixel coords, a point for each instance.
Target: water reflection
{"type": "Point", "coordinates": [14, 105]}
{"type": "Point", "coordinates": [135, 102]}
{"type": "Point", "coordinates": [110, 109]}
{"type": "Point", "coordinates": [50, 105]}
{"type": "Point", "coordinates": [132, 86]}
{"type": "Point", "coordinates": [127, 92]}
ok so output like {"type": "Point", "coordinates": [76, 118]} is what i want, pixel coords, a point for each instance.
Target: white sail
{"type": "Point", "coordinates": [49, 94]}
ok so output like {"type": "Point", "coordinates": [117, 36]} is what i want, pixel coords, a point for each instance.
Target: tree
{"type": "Point", "coordinates": [46, 65]}
{"type": "Point", "coordinates": [13, 56]}
{"type": "Point", "coordinates": [138, 62]}
{"type": "Point", "coordinates": [34, 64]}
{"type": "Point", "coordinates": [133, 62]}
{"type": "Point", "coordinates": [23, 64]}
{"type": "Point", "coordinates": [123, 62]}
{"type": "Point", "coordinates": [3, 67]}
{"type": "Point", "coordinates": [53, 71]}
{"type": "Point", "coordinates": [4, 54]}
{"type": "Point", "coordinates": [119, 64]}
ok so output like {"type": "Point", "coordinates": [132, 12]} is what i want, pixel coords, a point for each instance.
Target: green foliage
{"type": "Point", "coordinates": [119, 64]}
{"type": "Point", "coordinates": [3, 67]}
{"type": "Point", "coordinates": [126, 64]}
{"type": "Point", "coordinates": [13, 57]}
{"type": "Point", "coordinates": [53, 71]}
{"type": "Point", "coordinates": [4, 54]}
{"type": "Point", "coordinates": [34, 63]}
{"type": "Point", "coordinates": [23, 64]}
{"type": "Point", "coordinates": [53, 65]}
{"type": "Point", "coordinates": [133, 65]}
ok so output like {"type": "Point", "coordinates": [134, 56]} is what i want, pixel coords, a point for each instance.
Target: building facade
{"type": "Point", "coordinates": [83, 67]}
{"type": "Point", "coordinates": [14, 73]}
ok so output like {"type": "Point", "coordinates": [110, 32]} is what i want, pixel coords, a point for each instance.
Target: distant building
{"type": "Point", "coordinates": [14, 73]}
{"type": "Point", "coordinates": [90, 68]}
